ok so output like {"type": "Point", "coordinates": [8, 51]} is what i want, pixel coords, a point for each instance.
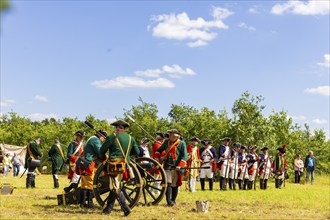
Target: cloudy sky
{"type": "Point", "coordinates": [70, 59]}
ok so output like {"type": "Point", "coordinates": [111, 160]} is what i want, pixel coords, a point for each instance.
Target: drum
{"type": "Point", "coordinates": [35, 163]}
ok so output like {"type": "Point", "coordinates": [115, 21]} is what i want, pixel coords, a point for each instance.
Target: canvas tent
{"type": "Point", "coordinates": [11, 149]}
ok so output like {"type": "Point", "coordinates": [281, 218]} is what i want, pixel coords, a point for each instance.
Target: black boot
{"type": "Point", "coordinates": [175, 191]}
{"type": "Point", "coordinates": [56, 184]}
{"type": "Point", "coordinates": [110, 202]}
{"type": "Point", "coordinates": [224, 184]}
{"type": "Point", "coordinates": [261, 184]}
{"type": "Point", "coordinates": [240, 184]}
{"type": "Point", "coordinates": [231, 184]}
{"type": "Point", "coordinates": [250, 183]}
{"type": "Point", "coordinates": [90, 196]}
{"type": "Point", "coordinates": [33, 181]}
{"type": "Point", "coordinates": [265, 184]}
{"type": "Point", "coordinates": [276, 183]}
{"type": "Point", "coordinates": [245, 184]}
{"type": "Point", "coordinates": [83, 196]}
{"type": "Point", "coordinates": [202, 180]}
{"type": "Point", "coordinates": [169, 195]}
{"type": "Point", "coordinates": [234, 184]}
{"type": "Point", "coordinates": [211, 184]}
{"type": "Point", "coordinates": [280, 181]}
{"type": "Point", "coordinates": [68, 189]}
{"type": "Point", "coordinates": [221, 183]}
{"type": "Point", "coordinates": [122, 201]}
{"type": "Point", "coordinates": [28, 181]}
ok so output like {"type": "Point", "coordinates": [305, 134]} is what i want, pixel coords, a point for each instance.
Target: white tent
{"type": "Point", "coordinates": [11, 149]}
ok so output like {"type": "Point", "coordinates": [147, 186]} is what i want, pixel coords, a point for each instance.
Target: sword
{"type": "Point", "coordinates": [23, 173]}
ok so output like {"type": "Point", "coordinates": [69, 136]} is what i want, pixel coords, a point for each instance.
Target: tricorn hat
{"type": "Point", "coordinates": [264, 148]}
{"type": "Point", "coordinates": [38, 139]}
{"type": "Point", "coordinates": [174, 131]}
{"type": "Point", "coordinates": [195, 139]}
{"type": "Point", "coordinates": [80, 133]}
{"type": "Point", "coordinates": [103, 132]}
{"type": "Point", "coordinates": [120, 123]}
{"type": "Point", "coordinates": [253, 147]}
{"type": "Point", "coordinates": [236, 145]}
{"type": "Point", "coordinates": [225, 139]}
{"type": "Point", "coordinates": [161, 134]}
{"type": "Point", "coordinates": [144, 140]}
{"type": "Point", "coordinates": [243, 147]}
{"type": "Point", "coordinates": [282, 150]}
{"type": "Point", "coordinates": [206, 141]}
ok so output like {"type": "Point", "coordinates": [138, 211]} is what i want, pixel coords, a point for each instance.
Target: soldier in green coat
{"type": "Point", "coordinates": [91, 154]}
{"type": "Point", "coordinates": [174, 158]}
{"type": "Point", "coordinates": [120, 146]}
{"type": "Point", "coordinates": [32, 152]}
{"type": "Point", "coordinates": [57, 157]}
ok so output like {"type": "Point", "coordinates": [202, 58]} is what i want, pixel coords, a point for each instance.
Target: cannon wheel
{"type": "Point", "coordinates": [132, 188]}
{"type": "Point", "coordinates": [154, 180]}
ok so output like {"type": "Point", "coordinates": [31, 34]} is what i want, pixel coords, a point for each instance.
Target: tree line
{"type": "Point", "coordinates": [247, 125]}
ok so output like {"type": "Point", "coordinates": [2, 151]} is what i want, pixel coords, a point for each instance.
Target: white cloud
{"type": "Point", "coordinates": [7, 102]}
{"type": "Point", "coordinates": [174, 71]}
{"type": "Point", "coordinates": [181, 27]}
{"type": "Point", "coordinates": [220, 13]}
{"type": "Point", "coordinates": [40, 116]}
{"type": "Point", "coordinates": [41, 98]}
{"type": "Point", "coordinates": [326, 62]}
{"type": "Point", "coordinates": [302, 7]}
{"type": "Point", "coordinates": [298, 117]}
{"type": "Point", "coordinates": [319, 121]}
{"type": "Point", "coordinates": [245, 26]}
{"type": "Point", "coordinates": [321, 90]}
{"type": "Point", "coordinates": [132, 82]}
{"type": "Point", "coordinates": [254, 10]}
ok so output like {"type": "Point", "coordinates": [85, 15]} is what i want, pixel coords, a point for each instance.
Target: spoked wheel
{"type": "Point", "coordinates": [131, 188]}
{"type": "Point", "coordinates": [154, 180]}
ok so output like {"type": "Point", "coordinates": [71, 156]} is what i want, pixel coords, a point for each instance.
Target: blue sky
{"type": "Point", "coordinates": [74, 58]}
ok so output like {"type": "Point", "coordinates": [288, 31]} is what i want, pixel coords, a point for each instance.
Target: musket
{"type": "Point", "coordinates": [235, 161]}
{"type": "Point", "coordinates": [92, 127]}
{"type": "Point", "coordinates": [255, 177]}
{"type": "Point", "coordinates": [132, 119]}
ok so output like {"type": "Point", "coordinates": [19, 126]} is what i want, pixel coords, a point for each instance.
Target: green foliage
{"type": "Point", "coordinates": [4, 5]}
{"type": "Point", "coordinates": [248, 126]}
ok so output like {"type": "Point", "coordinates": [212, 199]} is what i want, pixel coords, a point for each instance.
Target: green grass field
{"type": "Point", "coordinates": [291, 202]}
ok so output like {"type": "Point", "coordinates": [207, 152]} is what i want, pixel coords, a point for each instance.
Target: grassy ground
{"type": "Point", "coordinates": [291, 202]}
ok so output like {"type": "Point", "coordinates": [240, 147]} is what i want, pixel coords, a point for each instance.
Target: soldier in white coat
{"type": "Point", "coordinates": [243, 175]}
{"type": "Point", "coordinates": [233, 166]}
{"type": "Point", "coordinates": [224, 157]}
{"type": "Point", "coordinates": [252, 160]}
{"type": "Point", "coordinates": [264, 168]}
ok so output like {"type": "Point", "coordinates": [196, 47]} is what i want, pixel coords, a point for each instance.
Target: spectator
{"type": "Point", "coordinates": [6, 163]}
{"type": "Point", "coordinates": [310, 163]}
{"type": "Point", "coordinates": [298, 168]}
{"type": "Point", "coordinates": [16, 161]}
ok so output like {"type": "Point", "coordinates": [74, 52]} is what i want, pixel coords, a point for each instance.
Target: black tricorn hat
{"type": "Point", "coordinates": [120, 123]}
{"type": "Point", "coordinates": [80, 133]}
{"type": "Point", "coordinates": [195, 139]}
{"type": "Point", "coordinates": [144, 140]}
{"type": "Point", "coordinates": [161, 134]}
{"type": "Point", "coordinates": [174, 131]}
{"type": "Point", "coordinates": [253, 147]}
{"type": "Point", "coordinates": [236, 145]}
{"type": "Point", "coordinates": [264, 148]}
{"type": "Point", "coordinates": [166, 135]}
{"type": "Point", "coordinates": [282, 150]}
{"type": "Point", "coordinates": [243, 147]}
{"type": "Point", "coordinates": [225, 139]}
{"type": "Point", "coordinates": [206, 141]}
{"type": "Point", "coordinates": [103, 132]}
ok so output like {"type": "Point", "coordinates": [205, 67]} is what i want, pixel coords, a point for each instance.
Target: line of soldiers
{"type": "Point", "coordinates": [235, 165]}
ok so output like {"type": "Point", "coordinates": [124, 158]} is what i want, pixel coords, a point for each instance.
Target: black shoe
{"type": "Point", "coordinates": [127, 211]}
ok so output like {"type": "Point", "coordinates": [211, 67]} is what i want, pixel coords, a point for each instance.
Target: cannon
{"type": "Point", "coordinates": [149, 181]}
